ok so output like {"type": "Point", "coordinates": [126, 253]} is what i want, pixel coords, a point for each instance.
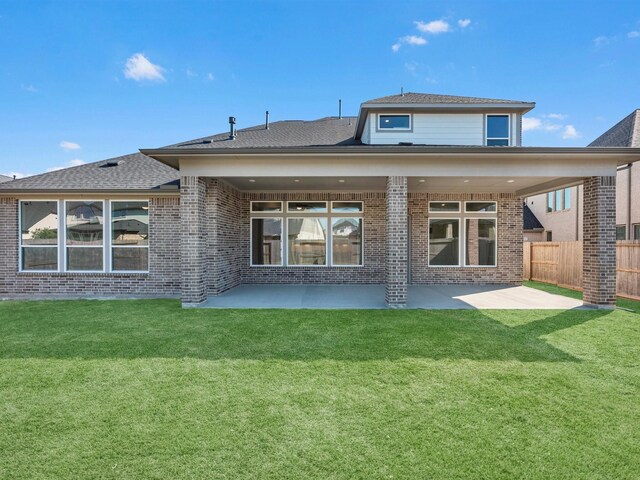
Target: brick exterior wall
{"type": "Point", "coordinates": [163, 279]}
{"type": "Point", "coordinates": [397, 248]}
{"type": "Point", "coordinates": [599, 241]}
{"type": "Point", "coordinates": [193, 192]}
{"type": "Point", "coordinates": [372, 272]}
{"type": "Point", "coordinates": [509, 236]}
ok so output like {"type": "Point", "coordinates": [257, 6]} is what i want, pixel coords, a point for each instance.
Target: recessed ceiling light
{"type": "Point", "coordinates": [510, 181]}
{"type": "Point", "coordinates": [341, 180]}
{"type": "Point", "coordinates": [251, 180]}
{"type": "Point", "coordinates": [296, 180]}
{"type": "Point", "coordinates": [422, 180]}
{"type": "Point", "coordinates": [466, 181]}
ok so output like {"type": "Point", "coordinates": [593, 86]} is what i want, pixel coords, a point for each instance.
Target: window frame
{"type": "Point", "coordinates": [444, 212]}
{"type": "Point", "coordinates": [460, 240]}
{"type": "Point", "coordinates": [486, 130]}
{"type": "Point", "coordinates": [464, 242]}
{"type": "Point", "coordinates": [347, 214]}
{"type": "Point", "coordinates": [328, 241]}
{"type": "Point", "coordinates": [361, 218]}
{"type": "Point", "coordinates": [624, 227]}
{"type": "Point", "coordinates": [306, 212]}
{"type": "Point", "coordinates": [109, 268]}
{"type": "Point", "coordinates": [106, 234]}
{"type": "Point", "coordinates": [484, 214]}
{"type": "Point", "coordinates": [395, 129]}
{"type": "Point", "coordinates": [282, 239]}
{"type": "Point", "coordinates": [262, 212]}
{"type": "Point", "coordinates": [56, 246]}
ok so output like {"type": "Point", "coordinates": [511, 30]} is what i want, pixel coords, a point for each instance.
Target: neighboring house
{"type": "Point", "coordinates": [418, 188]}
{"type": "Point", "coordinates": [533, 229]}
{"type": "Point", "coordinates": [560, 211]}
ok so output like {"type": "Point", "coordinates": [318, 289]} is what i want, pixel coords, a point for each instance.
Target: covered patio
{"type": "Point", "coordinates": [500, 297]}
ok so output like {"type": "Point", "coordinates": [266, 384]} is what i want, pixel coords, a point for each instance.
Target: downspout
{"type": "Point", "coordinates": [577, 212]}
{"type": "Point", "coordinates": [629, 202]}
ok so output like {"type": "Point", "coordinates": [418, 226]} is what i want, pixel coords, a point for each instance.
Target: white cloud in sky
{"type": "Point", "coordinates": [190, 73]}
{"type": "Point", "coordinates": [633, 34]}
{"type": "Point", "coordinates": [531, 123]}
{"type": "Point", "coordinates": [570, 133]}
{"type": "Point", "coordinates": [601, 40]}
{"type": "Point", "coordinates": [408, 40]}
{"type": "Point", "coordinates": [210, 77]}
{"type": "Point", "coordinates": [16, 174]}
{"type": "Point", "coordinates": [68, 146]}
{"type": "Point", "coordinates": [28, 88]}
{"type": "Point", "coordinates": [464, 22]}
{"type": "Point", "coordinates": [434, 27]}
{"type": "Point", "coordinates": [556, 116]}
{"type": "Point", "coordinates": [71, 163]}
{"type": "Point", "coordinates": [139, 68]}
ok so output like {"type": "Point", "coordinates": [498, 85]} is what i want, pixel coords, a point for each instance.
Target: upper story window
{"type": "Point", "coordinates": [498, 130]}
{"type": "Point", "coordinates": [394, 122]}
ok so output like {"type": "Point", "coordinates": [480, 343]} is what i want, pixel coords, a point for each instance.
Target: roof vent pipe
{"type": "Point", "coordinates": [266, 120]}
{"type": "Point", "coordinates": [340, 109]}
{"type": "Point", "coordinates": [232, 128]}
{"type": "Point", "coordinates": [402, 91]}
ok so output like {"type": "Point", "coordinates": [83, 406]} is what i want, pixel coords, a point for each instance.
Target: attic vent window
{"type": "Point", "coordinates": [394, 122]}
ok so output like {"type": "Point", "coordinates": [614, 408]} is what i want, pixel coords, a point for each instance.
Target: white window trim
{"type": "Point", "coordinates": [361, 218]}
{"type": "Point", "coordinates": [328, 249]}
{"type": "Point", "coordinates": [109, 268]}
{"type": "Point", "coordinates": [444, 212]}
{"type": "Point", "coordinates": [261, 212]}
{"type": "Point", "coordinates": [494, 213]}
{"type": "Point", "coordinates": [106, 233]}
{"type": "Point", "coordinates": [394, 129]}
{"type": "Point", "coordinates": [282, 240]}
{"type": "Point", "coordinates": [460, 239]}
{"type": "Point", "coordinates": [303, 212]}
{"type": "Point", "coordinates": [349, 214]}
{"type": "Point", "coordinates": [486, 128]}
{"type": "Point", "coordinates": [20, 246]}
{"type": "Point", "coordinates": [464, 243]}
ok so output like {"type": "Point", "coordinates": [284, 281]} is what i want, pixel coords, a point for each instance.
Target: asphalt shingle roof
{"type": "Point", "coordinates": [530, 220]}
{"type": "Point", "coordinates": [287, 133]}
{"type": "Point", "coordinates": [4, 178]}
{"type": "Point", "coordinates": [411, 97]}
{"type": "Point", "coordinates": [625, 133]}
{"type": "Point", "coordinates": [131, 172]}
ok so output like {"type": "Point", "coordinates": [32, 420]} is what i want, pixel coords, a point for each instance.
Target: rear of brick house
{"type": "Point", "coordinates": [416, 189]}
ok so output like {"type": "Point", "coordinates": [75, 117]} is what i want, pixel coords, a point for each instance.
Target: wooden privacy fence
{"type": "Point", "coordinates": [560, 263]}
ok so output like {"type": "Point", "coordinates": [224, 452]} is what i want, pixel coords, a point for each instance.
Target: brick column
{"type": "Point", "coordinates": [193, 240]}
{"type": "Point", "coordinates": [397, 242]}
{"type": "Point", "coordinates": [599, 241]}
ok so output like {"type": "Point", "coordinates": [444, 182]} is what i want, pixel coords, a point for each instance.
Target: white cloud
{"type": "Point", "coordinates": [633, 34]}
{"type": "Point", "coordinates": [464, 22]}
{"type": "Point", "coordinates": [16, 174]}
{"type": "Point", "coordinates": [71, 163]}
{"type": "Point", "coordinates": [408, 40]}
{"type": "Point", "coordinates": [396, 46]}
{"type": "Point", "coordinates": [570, 133]}
{"type": "Point", "coordinates": [556, 116]}
{"type": "Point", "coordinates": [210, 77]}
{"type": "Point", "coordinates": [191, 73]}
{"type": "Point", "coordinates": [601, 40]}
{"type": "Point", "coordinates": [411, 67]}
{"type": "Point", "coordinates": [28, 88]}
{"type": "Point", "coordinates": [139, 68]}
{"type": "Point", "coordinates": [68, 146]}
{"type": "Point", "coordinates": [535, 123]}
{"type": "Point", "coordinates": [434, 27]}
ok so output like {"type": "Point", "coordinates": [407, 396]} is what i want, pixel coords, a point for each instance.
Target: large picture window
{"type": "Point", "coordinates": [84, 225]}
{"type": "Point", "coordinates": [347, 241]}
{"type": "Point", "coordinates": [266, 241]}
{"type": "Point", "coordinates": [307, 241]}
{"type": "Point", "coordinates": [480, 242]}
{"type": "Point", "coordinates": [444, 238]}
{"type": "Point", "coordinates": [129, 236]}
{"type": "Point", "coordinates": [39, 236]}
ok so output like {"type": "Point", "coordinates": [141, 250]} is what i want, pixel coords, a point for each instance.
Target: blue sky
{"type": "Point", "coordinates": [84, 81]}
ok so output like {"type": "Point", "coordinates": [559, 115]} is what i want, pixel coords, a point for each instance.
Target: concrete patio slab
{"type": "Point", "coordinates": [373, 297]}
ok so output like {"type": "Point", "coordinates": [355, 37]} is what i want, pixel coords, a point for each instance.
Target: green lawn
{"type": "Point", "coordinates": [626, 303]}
{"type": "Point", "coordinates": [144, 389]}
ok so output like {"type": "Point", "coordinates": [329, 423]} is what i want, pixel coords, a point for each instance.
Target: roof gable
{"type": "Point", "coordinates": [431, 98]}
{"type": "Point", "coordinates": [625, 133]}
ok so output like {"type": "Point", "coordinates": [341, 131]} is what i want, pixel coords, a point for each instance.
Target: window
{"type": "Point", "coordinates": [266, 241]}
{"type": "Point", "coordinates": [129, 236]}
{"type": "Point", "coordinates": [636, 231]}
{"type": "Point", "coordinates": [266, 207]}
{"type": "Point", "coordinates": [498, 130]}
{"type": "Point", "coordinates": [549, 236]}
{"type": "Point", "coordinates": [435, 207]}
{"type": "Point", "coordinates": [480, 207]}
{"type": "Point", "coordinates": [394, 122]}
{"type": "Point", "coordinates": [307, 241]}
{"type": "Point", "coordinates": [559, 200]}
{"type": "Point", "coordinates": [567, 198]}
{"type": "Point", "coordinates": [480, 242]}
{"type": "Point", "coordinates": [314, 207]}
{"type": "Point", "coordinates": [347, 241]}
{"type": "Point", "coordinates": [621, 232]}
{"type": "Point", "coordinates": [84, 239]}
{"type": "Point", "coordinates": [39, 236]}
{"type": "Point", "coordinates": [346, 207]}
{"type": "Point", "coordinates": [444, 237]}
{"type": "Point", "coordinates": [550, 197]}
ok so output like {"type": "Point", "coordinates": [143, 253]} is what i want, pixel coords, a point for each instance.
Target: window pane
{"type": "Point", "coordinates": [346, 207]}
{"type": "Point", "coordinates": [347, 241]}
{"type": "Point", "coordinates": [307, 241]}
{"type": "Point", "coordinates": [82, 259]}
{"type": "Point", "coordinates": [130, 223]}
{"type": "Point", "coordinates": [567, 198]}
{"type": "Point", "coordinates": [480, 246]}
{"type": "Point", "coordinates": [444, 206]}
{"type": "Point", "coordinates": [39, 223]}
{"type": "Point", "coordinates": [550, 202]}
{"type": "Point", "coordinates": [497, 126]}
{"type": "Point", "coordinates": [266, 207]}
{"type": "Point", "coordinates": [39, 258]}
{"type": "Point", "coordinates": [84, 223]}
{"type": "Point", "coordinates": [295, 207]}
{"type": "Point", "coordinates": [266, 241]}
{"type": "Point", "coordinates": [130, 259]}
{"type": "Point", "coordinates": [621, 232]}
{"type": "Point", "coordinates": [498, 143]}
{"type": "Point", "coordinates": [444, 237]}
{"type": "Point", "coordinates": [559, 197]}
{"type": "Point", "coordinates": [636, 232]}
{"type": "Point", "coordinates": [394, 121]}
{"type": "Point", "coordinates": [480, 207]}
